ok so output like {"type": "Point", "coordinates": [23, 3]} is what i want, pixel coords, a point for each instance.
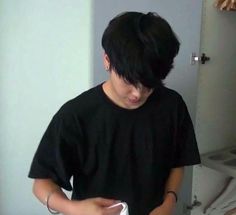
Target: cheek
{"type": "Point", "coordinates": [148, 92]}
{"type": "Point", "coordinates": [123, 89]}
{"type": "Point", "coordinates": [123, 92]}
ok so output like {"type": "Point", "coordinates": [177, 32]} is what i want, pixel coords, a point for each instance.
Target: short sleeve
{"type": "Point", "coordinates": [186, 149]}
{"type": "Point", "coordinates": [58, 154]}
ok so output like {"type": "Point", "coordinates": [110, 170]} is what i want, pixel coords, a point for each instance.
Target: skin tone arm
{"type": "Point", "coordinates": [173, 183]}
{"type": "Point", "coordinates": [60, 202]}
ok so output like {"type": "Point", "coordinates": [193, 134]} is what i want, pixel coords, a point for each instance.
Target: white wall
{"type": "Point", "coordinates": [44, 61]}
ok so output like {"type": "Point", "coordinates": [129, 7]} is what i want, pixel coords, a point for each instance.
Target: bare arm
{"type": "Point", "coordinates": [173, 184]}
{"type": "Point", "coordinates": [60, 202]}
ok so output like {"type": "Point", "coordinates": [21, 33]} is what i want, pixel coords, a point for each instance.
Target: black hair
{"type": "Point", "coordinates": [141, 47]}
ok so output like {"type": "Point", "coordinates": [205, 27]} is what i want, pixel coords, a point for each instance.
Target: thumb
{"type": "Point", "coordinates": [106, 202]}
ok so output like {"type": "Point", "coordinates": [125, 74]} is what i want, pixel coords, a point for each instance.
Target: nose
{"type": "Point", "coordinates": [136, 92]}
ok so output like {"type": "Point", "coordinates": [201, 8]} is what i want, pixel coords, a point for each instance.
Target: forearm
{"type": "Point", "coordinates": [58, 200]}
{"type": "Point", "coordinates": [173, 183]}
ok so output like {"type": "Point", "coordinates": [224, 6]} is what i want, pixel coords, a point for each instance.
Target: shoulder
{"type": "Point", "coordinates": [82, 103]}
{"type": "Point", "coordinates": [169, 96]}
{"type": "Point", "coordinates": [169, 101]}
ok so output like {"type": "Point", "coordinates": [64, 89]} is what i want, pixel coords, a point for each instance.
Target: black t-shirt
{"type": "Point", "coordinates": [114, 152]}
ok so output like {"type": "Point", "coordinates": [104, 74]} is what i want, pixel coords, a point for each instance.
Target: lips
{"type": "Point", "coordinates": [134, 101]}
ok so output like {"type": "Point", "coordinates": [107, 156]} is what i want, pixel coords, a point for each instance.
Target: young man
{"type": "Point", "coordinates": [127, 139]}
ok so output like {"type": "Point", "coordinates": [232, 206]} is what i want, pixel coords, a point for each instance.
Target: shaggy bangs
{"type": "Point", "coordinates": [141, 48]}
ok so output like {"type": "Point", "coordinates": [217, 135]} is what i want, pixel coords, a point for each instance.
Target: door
{"type": "Point", "coordinates": [185, 19]}
{"type": "Point", "coordinates": [216, 113]}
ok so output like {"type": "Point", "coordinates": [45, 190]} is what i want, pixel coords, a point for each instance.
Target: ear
{"type": "Point", "coordinates": [106, 62]}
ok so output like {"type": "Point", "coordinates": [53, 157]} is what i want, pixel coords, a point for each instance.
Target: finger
{"type": "Point", "coordinates": [113, 210]}
{"type": "Point", "coordinates": [106, 202]}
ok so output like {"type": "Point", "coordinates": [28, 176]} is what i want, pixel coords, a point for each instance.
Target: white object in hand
{"type": "Point", "coordinates": [124, 211]}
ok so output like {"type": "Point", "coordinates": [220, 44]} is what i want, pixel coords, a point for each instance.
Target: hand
{"type": "Point", "coordinates": [94, 206]}
{"type": "Point", "coordinates": [166, 208]}
{"type": "Point", "coordinates": [162, 210]}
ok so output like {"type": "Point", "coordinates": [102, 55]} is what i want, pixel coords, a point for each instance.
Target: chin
{"type": "Point", "coordinates": [134, 105]}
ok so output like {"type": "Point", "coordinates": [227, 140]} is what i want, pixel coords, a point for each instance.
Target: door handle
{"type": "Point", "coordinates": [204, 58]}
{"type": "Point", "coordinates": [194, 58]}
